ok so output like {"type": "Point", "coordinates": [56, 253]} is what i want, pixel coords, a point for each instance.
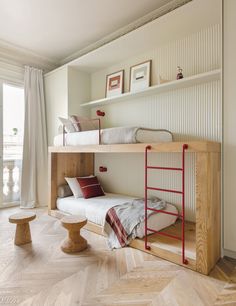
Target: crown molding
{"type": "Point", "coordinates": [18, 56]}
{"type": "Point", "coordinates": [11, 73]}
{"type": "Point", "coordinates": [172, 5]}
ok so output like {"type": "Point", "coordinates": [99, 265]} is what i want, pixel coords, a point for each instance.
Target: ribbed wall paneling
{"type": "Point", "coordinates": [126, 175]}
{"type": "Point", "coordinates": [189, 113]}
{"type": "Point", "coordinates": [197, 53]}
{"type": "Point", "coordinates": [192, 113]}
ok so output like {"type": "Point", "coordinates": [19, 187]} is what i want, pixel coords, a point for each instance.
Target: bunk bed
{"type": "Point", "coordinates": [193, 245]}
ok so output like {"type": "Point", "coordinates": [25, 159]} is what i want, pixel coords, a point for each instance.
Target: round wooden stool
{"type": "Point", "coordinates": [74, 242]}
{"type": "Point", "coordinates": [22, 235]}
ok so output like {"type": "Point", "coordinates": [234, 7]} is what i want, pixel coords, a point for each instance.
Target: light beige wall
{"type": "Point", "coordinates": [196, 53]}
{"type": "Point", "coordinates": [190, 113]}
{"type": "Point", "coordinates": [56, 97]}
{"type": "Point", "coordinates": [78, 91]}
{"type": "Point", "coordinates": [229, 161]}
{"type": "Point", "coordinates": [65, 89]}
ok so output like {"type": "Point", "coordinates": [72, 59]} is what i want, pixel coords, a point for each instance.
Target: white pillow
{"type": "Point", "coordinates": [74, 186]}
{"type": "Point", "coordinates": [69, 127]}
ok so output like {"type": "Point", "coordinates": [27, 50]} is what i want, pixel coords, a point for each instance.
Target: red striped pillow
{"type": "Point", "coordinates": [90, 187]}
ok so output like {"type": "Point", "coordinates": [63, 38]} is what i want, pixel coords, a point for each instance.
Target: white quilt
{"type": "Point", "coordinates": [95, 210]}
{"type": "Point", "coordinates": [116, 135]}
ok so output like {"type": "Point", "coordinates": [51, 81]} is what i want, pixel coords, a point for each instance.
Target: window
{"type": "Point", "coordinates": [13, 129]}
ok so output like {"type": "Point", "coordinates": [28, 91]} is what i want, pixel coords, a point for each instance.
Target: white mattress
{"type": "Point", "coordinates": [114, 136]}
{"type": "Point", "coordinates": [95, 209]}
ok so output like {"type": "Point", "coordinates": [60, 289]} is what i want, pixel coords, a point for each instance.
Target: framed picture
{"type": "Point", "coordinates": [140, 76]}
{"type": "Point", "coordinates": [115, 84]}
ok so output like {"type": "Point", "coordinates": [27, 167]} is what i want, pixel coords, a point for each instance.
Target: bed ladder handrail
{"type": "Point", "coordinates": [182, 193]}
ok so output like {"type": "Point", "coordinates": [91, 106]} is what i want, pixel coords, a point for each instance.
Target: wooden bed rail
{"type": "Point", "coordinates": [168, 147]}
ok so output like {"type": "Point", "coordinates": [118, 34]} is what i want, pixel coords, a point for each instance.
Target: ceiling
{"type": "Point", "coordinates": [55, 29]}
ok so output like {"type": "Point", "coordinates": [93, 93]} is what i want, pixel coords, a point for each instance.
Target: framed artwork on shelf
{"type": "Point", "coordinates": [115, 84]}
{"type": "Point", "coordinates": [140, 76]}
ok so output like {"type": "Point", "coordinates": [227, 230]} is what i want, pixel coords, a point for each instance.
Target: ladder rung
{"type": "Point", "coordinates": [165, 168]}
{"type": "Point", "coordinates": [164, 212]}
{"type": "Point", "coordinates": [165, 190]}
{"type": "Point", "coordinates": [164, 234]}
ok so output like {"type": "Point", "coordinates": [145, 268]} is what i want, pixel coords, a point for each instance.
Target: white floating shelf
{"type": "Point", "coordinates": [183, 83]}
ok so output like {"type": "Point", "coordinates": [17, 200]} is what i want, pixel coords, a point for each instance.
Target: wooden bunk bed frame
{"type": "Point", "coordinates": [202, 240]}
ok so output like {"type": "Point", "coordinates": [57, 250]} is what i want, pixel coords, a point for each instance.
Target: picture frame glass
{"type": "Point", "coordinates": [140, 76]}
{"type": "Point", "coordinates": [115, 84]}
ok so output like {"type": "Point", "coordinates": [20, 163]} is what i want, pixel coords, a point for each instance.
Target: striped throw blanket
{"type": "Point", "coordinates": [121, 220]}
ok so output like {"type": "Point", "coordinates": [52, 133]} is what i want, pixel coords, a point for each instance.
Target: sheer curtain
{"type": "Point", "coordinates": [34, 166]}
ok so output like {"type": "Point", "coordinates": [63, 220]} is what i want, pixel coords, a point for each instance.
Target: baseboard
{"type": "Point", "coordinates": [229, 253]}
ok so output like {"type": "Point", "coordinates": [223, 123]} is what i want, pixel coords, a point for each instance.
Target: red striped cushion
{"type": "Point", "coordinates": [90, 187]}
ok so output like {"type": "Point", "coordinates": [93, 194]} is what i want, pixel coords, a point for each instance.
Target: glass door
{"type": "Point", "coordinates": [12, 114]}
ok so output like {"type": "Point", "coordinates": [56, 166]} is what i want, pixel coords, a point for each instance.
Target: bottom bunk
{"type": "Point", "coordinates": [95, 209]}
{"type": "Point", "coordinates": [202, 239]}
{"type": "Point", "coordinates": [161, 246]}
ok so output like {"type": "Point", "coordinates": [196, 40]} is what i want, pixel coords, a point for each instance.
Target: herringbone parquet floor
{"type": "Point", "coordinates": [40, 274]}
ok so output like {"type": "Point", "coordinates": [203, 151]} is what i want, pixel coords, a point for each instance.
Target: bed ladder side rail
{"type": "Point", "coordinates": [182, 193]}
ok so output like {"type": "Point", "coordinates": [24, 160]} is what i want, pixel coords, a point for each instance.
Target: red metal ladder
{"type": "Point", "coordinates": [182, 192]}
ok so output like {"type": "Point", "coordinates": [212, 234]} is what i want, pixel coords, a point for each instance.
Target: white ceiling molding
{"type": "Point", "coordinates": [14, 55]}
{"type": "Point", "coordinates": [11, 73]}
{"type": "Point", "coordinates": [172, 5]}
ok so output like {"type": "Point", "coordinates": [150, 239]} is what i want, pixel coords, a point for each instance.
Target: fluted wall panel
{"type": "Point", "coordinates": [192, 113]}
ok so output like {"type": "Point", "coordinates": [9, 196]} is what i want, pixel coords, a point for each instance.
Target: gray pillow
{"type": "Point", "coordinates": [64, 191]}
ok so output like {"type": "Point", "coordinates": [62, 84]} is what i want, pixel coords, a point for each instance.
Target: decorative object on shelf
{"type": "Point", "coordinates": [100, 113]}
{"type": "Point", "coordinates": [179, 73]}
{"type": "Point", "coordinates": [115, 84]}
{"type": "Point", "coordinates": [140, 76]}
{"type": "Point", "coordinates": [102, 169]}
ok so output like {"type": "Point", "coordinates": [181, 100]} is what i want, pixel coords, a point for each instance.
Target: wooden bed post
{"type": "Point", "coordinates": [208, 211]}
{"type": "Point", "coordinates": [52, 181]}
{"type": "Point", "coordinates": [66, 164]}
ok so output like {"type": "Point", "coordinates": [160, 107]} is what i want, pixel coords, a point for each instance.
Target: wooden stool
{"type": "Point", "coordinates": [74, 242]}
{"type": "Point", "coordinates": [22, 235]}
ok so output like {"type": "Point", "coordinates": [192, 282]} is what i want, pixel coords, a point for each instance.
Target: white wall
{"type": "Point", "coordinates": [78, 90]}
{"type": "Point", "coordinates": [190, 113]}
{"type": "Point", "coordinates": [229, 161]}
{"type": "Point", "coordinates": [65, 89]}
{"type": "Point", "coordinates": [56, 96]}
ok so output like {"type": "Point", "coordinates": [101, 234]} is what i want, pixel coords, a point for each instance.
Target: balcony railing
{"type": "Point", "coordinates": [11, 180]}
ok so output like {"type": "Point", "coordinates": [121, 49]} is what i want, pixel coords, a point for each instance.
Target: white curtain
{"type": "Point", "coordinates": [34, 166]}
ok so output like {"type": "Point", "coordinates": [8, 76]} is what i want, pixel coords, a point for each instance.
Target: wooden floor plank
{"type": "Point", "coordinates": [41, 274]}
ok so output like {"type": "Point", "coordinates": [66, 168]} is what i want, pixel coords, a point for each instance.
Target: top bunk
{"type": "Point", "coordinates": [174, 147]}
{"type": "Point", "coordinates": [83, 135]}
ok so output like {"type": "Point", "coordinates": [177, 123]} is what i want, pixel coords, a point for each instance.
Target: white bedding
{"type": "Point", "coordinates": [114, 136]}
{"type": "Point", "coordinates": [95, 209]}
